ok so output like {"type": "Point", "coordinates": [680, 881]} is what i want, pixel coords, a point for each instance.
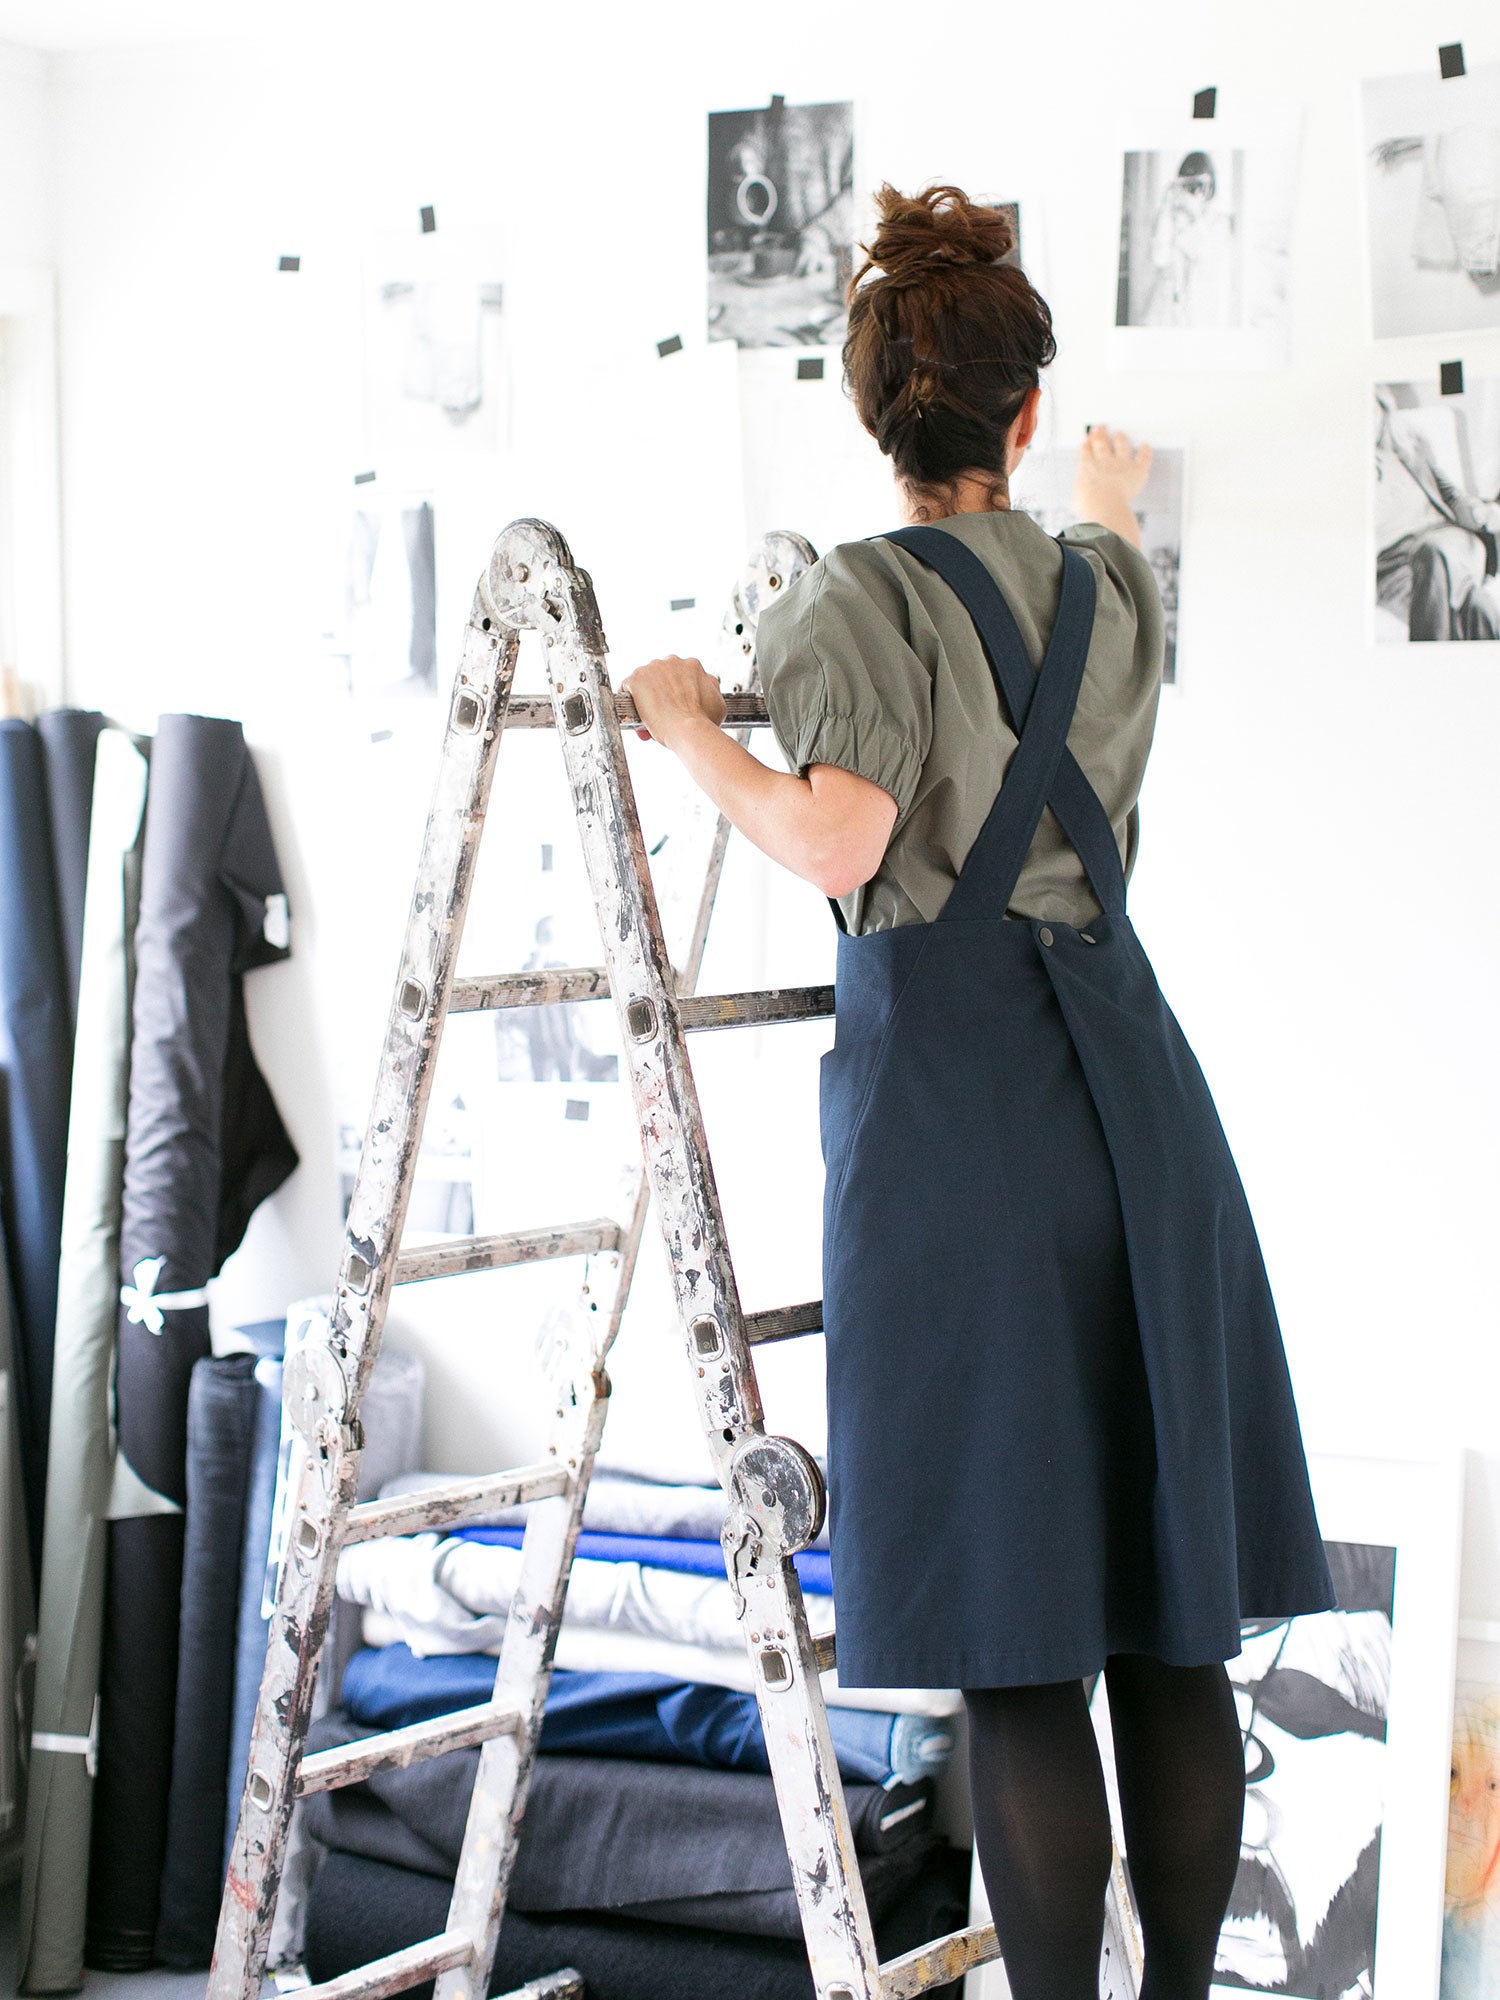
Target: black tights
{"type": "Point", "coordinates": [1041, 1823]}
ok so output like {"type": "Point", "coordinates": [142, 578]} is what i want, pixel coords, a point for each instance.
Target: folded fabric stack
{"type": "Point", "coordinates": [651, 1856]}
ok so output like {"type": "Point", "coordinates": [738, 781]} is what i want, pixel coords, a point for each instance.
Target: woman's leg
{"type": "Point", "coordinates": [1041, 1825]}
{"type": "Point", "coordinates": [1180, 1764]}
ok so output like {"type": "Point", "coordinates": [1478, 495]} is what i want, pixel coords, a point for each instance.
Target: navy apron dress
{"type": "Point", "coordinates": [1060, 1419]}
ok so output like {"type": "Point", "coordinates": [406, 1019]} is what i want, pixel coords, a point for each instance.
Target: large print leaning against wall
{"type": "Point", "coordinates": [1437, 510]}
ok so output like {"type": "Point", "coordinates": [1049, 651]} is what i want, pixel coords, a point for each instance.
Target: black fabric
{"type": "Point", "coordinates": [202, 1138]}
{"type": "Point", "coordinates": [604, 1832]}
{"type": "Point", "coordinates": [1041, 1823]}
{"type": "Point", "coordinates": [69, 737]}
{"type": "Point", "coordinates": [354, 1821]}
{"type": "Point", "coordinates": [36, 1060]}
{"type": "Point", "coordinates": [223, 1400]}
{"type": "Point", "coordinates": [359, 1910]}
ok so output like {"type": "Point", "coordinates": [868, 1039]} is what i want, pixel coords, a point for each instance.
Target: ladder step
{"type": "Point", "coordinates": [936, 1963]}
{"type": "Point", "coordinates": [755, 1010]}
{"type": "Point", "coordinates": [529, 989]}
{"type": "Point", "coordinates": [564, 1985]}
{"type": "Point", "coordinates": [823, 1652]}
{"type": "Point", "coordinates": [327, 1770]}
{"type": "Point", "coordinates": [535, 711]}
{"type": "Point", "coordinates": [396, 1973]}
{"type": "Point", "coordinates": [696, 1011]}
{"type": "Point", "coordinates": [517, 1246]}
{"type": "Point", "coordinates": [447, 1506]}
{"type": "Point", "coordinates": [783, 1323]}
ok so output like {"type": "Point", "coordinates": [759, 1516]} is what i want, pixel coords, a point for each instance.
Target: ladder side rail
{"type": "Point", "coordinates": [643, 985]}
{"type": "Point", "coordinates": [326, 1380]}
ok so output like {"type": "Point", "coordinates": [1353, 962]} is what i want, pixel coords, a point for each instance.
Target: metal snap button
{"type": "Point", "coordinates": [1045, 935]}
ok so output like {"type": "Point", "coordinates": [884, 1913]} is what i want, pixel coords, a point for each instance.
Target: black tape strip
{"type": "Point", "coordinates": [429, 221]}
{"type": "Point", "coordinates": [381, 735]}
{"type": "Point", "coordinates": [363, 478]}
{"type": "Point", "coordinates": [672, 345]}
{"type": "Point", "coordinates": [654, 851]}
{"type": "Point", "coordinates": [778, 104]}
{"type": "Point", "coordinates": [1205, 103]}
{"type": "Point", "coordinates": [1451, 60]}
{"type": "Point", "coordinates": [290, 264]}
{"type": "Point", "coordinates": [546, 857]}
{"type": "Point", "coordinates": [810, 368]}
{"type": "Point", "coordinates": [684, 603]}
{"type": "Point", "coordinates": [575, 1107]}
{"type": "Point", "coordinates": [1451, 378]}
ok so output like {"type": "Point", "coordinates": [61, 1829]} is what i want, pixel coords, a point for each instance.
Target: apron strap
{"type": "Point", "coordinates": [1065, 788]}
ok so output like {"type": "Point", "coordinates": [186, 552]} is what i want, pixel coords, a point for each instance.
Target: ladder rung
{"type": "Point", "coordinates": [517, 1246]}
{"type": "Point", "coordinates": [349, 1763]}
{"type": "Point", "coordinates": [398, 1972]}
{"type": "Point", "coordinates": [564, 1985]}
{"type": "Point", "coordinates": [447, 1506]}
{"type": "Point", "coordinates": [755, 1010]}
{"type": "Point", "coordinates": [529, 989]}
{"type": "Point", "coordinates": [824, 1653]}
{"type": "Point", "coordinates": [535, 711]}
{"type": "Point", "coordinates": [696, 1011]}
{"type": "Point", "coordinates": [936, 1963]}
{"type": "Point", "coordinates": [783, 1323]}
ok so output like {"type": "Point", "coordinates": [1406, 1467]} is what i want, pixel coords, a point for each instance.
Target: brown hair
{"type": "Point", "coordinates": [945, 341]}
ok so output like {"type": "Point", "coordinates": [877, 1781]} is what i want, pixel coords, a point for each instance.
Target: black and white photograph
{"type": "Point", "coordinates": [1437, 510]}
{"type": "Point", "coordinates": [1432, 202]}
{"type": "Point", "coordinates": [433, 338]}
{"type": "Point", "coordinates": [1203, 274]}
{"type": "Point", "coordinates": [780, 223]}
{"type": "Point", "coordinates": [1043, 487]}
{"type": "Point", "coordinates": [382, 638]}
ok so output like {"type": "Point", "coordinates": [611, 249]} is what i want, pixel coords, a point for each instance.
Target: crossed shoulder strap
{"type": "Point", "coordinates": [1042, 771]}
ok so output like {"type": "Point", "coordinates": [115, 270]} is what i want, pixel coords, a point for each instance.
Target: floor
{"type": "Point", "coordinates": [96, 1985]}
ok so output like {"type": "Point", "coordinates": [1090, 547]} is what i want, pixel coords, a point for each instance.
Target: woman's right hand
{"type": "Point", "coordinates": [1111, 472]}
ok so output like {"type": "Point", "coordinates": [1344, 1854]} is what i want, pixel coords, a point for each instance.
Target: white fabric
{"type": "Point", "coordinates": [436, 1588]}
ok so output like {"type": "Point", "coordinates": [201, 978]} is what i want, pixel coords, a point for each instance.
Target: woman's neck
{"type": "Point", "coordinates": [968, 493]}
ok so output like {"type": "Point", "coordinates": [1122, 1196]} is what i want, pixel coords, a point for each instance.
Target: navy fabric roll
{"type": "Point", "coordinates": [223, 1404]}
{"type": "Point", "coordinates": [36, 1057]}
{"type": "Point", "coordinates": [361, 1909]}
{"type": "Point", "coordinates": [636, 1715]}
{"type": "Point", "coordinates": [69, 737]}
{"type": "Point", "coordinates": [203, 1144]}
{"type": "Point", "coordinates": [251, 1629]}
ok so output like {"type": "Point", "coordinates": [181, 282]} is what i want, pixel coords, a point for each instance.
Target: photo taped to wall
{"type": "Point", "coordinates": [1043, 487]}
{"type": "Point", "coordinates": [1204, 250]}
{"type": "Point", "coordinates": [780, 223]}
{"type": "Point", "coordinates": [434, 342]}
{"type": "Point", "coordinates": [1432, 188]}
{"type": "Point", "coordinates": [1471, 1900]}
{"type": "Point", "coordinates": [1437, 510]}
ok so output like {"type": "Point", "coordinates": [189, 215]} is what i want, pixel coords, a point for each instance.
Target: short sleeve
{"type": "Point", "coordinates": [1130, 571]}
{"type": "Point", "coordinates": [842, 682]}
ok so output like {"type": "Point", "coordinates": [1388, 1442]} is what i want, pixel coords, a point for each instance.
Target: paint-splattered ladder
{"type": "Point", "coordinates": [775, 1491]}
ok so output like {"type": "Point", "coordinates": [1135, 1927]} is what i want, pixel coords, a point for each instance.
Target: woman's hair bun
{"type": "Point", "coordinates": [941, 225]}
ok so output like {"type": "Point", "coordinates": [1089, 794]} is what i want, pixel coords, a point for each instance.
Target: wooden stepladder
{"type": "Point", "coordinates": [774, 1489]}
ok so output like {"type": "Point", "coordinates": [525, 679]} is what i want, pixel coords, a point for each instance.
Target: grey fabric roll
{"type": "Point", "coordinates": [69, 737]}
{"type": "Point", "coordinates": [81, 1458]}
{"type": "Point", "coordinates": [606, 1832]}
{"type": "Point", "coordinates": [252, 1629]}
{"type": "Point", "coordinates": [222, 1409]}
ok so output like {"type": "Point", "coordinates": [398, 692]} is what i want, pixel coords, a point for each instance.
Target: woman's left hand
{"type": "Point", "coordinates": [670, 692]}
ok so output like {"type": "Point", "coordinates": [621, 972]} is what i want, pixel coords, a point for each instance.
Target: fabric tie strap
{"type": "Point", "coordinates": [146, 1305]}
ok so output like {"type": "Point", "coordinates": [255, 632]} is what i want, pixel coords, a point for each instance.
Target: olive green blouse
{"type": "Point", "coordinates": [870, 662]}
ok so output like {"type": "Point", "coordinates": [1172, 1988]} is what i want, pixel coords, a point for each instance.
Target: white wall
{"type": "Point", "coordinates": [1320, 816]}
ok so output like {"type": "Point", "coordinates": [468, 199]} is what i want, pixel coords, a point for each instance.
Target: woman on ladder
{"type": "Point", "coordinates": [1062, 1436]}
